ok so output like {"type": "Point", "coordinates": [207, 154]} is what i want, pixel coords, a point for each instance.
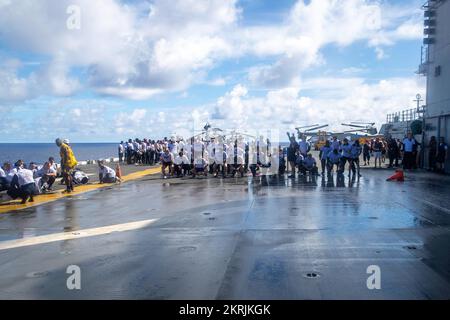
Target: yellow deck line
{"type": "Point", "coordinates": [14, 205]}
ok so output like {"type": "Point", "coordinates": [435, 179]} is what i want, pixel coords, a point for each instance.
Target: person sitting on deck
{"type": "Point", "coordinates": [4, 183]}
{"type": "Point", "coordinates": [106, 174]}
{"type": "Point", "coordinates": [9, 171]}
{"type": "Point", "coordinates": [254, 162]}
{"type": "Point", "coordinates": [48, 176]}
{"type": "Point", "coordinates": [237, 161]}
{"type": "Point", "coordinates": [22, 185]}
{"type": "Point", "coordinates": [309, 164]}
{"type": "Point", "coordinates": [79, 177]}
{"type": "Point", "coordinates": [200, 165]}
{"type": "Point", "coordinates": [182, 164]}
{"type": "Point", "coordinates": [299, 161]}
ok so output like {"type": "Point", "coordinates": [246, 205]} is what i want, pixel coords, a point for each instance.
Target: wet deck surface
{"type": "Point", "coordinates": [237, 239]}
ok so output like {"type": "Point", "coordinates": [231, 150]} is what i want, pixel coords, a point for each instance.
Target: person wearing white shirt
{"type": "Point", "coordinates": [220, 162]}
{"type": "Point", "coordinates": [11, 180]}
{"type": "Point", "coordinates": [175, 148]}
{"type": "Point", "coordinates": [105, 173]}
{"type": "Point", "coordinates": [255, 161]}
{"type": "Point", "coordinates": [129, 151]}
{"type": "Point", "coordinates": [121, 150]}
{"type": "Point", "coordinates": [25, 176]}
{"type": "Point", "coordinates": [52, 163]}
{"type": "Point", "coordinates": [9, 171]}
{"type": "Point", "coordinates": [198, 149]}
{"type": "Point", "coordinates": [143, 151]}
{"type": "Point", "coordinates": [4, 184]}
{"type": "Point", "coordinates": [200, 165]}
{"type": "Point", "coordinates": [48, 176]}
{"type": "Point", "coordinates": [181, 145]}
{"type": "Point", "coordinates": [274, 161]}
{"type": "Point", "coordinates": [187, 150]}
{"type": "Point", "coordinates": [237, 160]}
{"type": "Point", "coordinates": [139, 152]}
{"type": "Point", "coordinates": [24, 185]}
{"type": "Point", "coordinates": [198, 146]}
{"type": "Point", "coordinates": [211, 148]}
{"type": "Point", "coordinates": [181, 164]}
{"type": "Point", "coordinates": [136, 145]}
{"type": "Point", "coordinates": [152, 152]}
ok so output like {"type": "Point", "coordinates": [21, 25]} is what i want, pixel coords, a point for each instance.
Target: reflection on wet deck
{"type": "Point", "coordinates": [239, 238]}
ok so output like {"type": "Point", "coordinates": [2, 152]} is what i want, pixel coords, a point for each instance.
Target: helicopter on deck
{"type": "Point", "coordinates": [358, 130]}
{"type": "Point", "coordinates": [313, 134]}
{"type": "Point", "coordinates": [358, 126]}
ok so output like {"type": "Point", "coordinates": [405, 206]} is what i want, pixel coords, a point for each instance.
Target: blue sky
{"type": "Point", "coordinates": [156, 68]}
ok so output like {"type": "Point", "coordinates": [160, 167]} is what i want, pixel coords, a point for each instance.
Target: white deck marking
{"type": "Point", "coordinates": [11, 244]}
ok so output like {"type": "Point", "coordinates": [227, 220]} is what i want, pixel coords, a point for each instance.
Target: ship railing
{"type": "Point", "coordinates": [403, 116]}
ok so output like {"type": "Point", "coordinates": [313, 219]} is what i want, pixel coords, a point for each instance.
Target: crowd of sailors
{"type": "Point", "coordinates": [222, 157]}
{"type": "Point", "coordinates": [400, 153]}
{"type": "Point", "coordinates": [25, 181]}
{"type": "Point", "coordinates": [22, 181]}
{"type": "Point", "coordinates": [218, 156]}
{"type": "Point", "coordinates": [225, 157]}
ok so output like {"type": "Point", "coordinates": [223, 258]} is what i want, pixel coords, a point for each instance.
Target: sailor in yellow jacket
{"type": "Point", "coordinates": [68, 163]}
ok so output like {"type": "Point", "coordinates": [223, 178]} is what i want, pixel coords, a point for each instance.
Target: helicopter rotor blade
{"type": "Point", "coordinates": [304, 127]}
{"type": "Point", "coordinates": [316, 128]}
{"type": "Point", "coordinates": [362, 122]}
{"type": "Point", "coordinates": [353, 125]}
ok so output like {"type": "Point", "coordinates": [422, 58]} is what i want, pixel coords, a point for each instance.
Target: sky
{"type": "Point", "coordinates": [104, 71]}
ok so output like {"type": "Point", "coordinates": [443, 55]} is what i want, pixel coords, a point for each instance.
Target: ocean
{"type": "Point", "coordinates": [40, 152]}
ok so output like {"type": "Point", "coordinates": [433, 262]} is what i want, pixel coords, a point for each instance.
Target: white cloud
{"type": "Point", "coordinates": [136, 50]}
{"type": "Point", "coordinates": [54, 80]}
{"type": "Point", "coordinates": [218, 82]}
{"type": "Point", "coordinates": [352, 71]}
{"type": "Point", "coordinates": [13, 87]}
{"type": "Point", "coordinates": [132, 93]}
{"type": "Point", "coordinates": [319, 100]}
{"type": "Point", "coordinates": [313, 25]}
{"type": "Point", "coordinates": [120, 47]}
{"type": "Point", "coordinates": [340, 100]}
